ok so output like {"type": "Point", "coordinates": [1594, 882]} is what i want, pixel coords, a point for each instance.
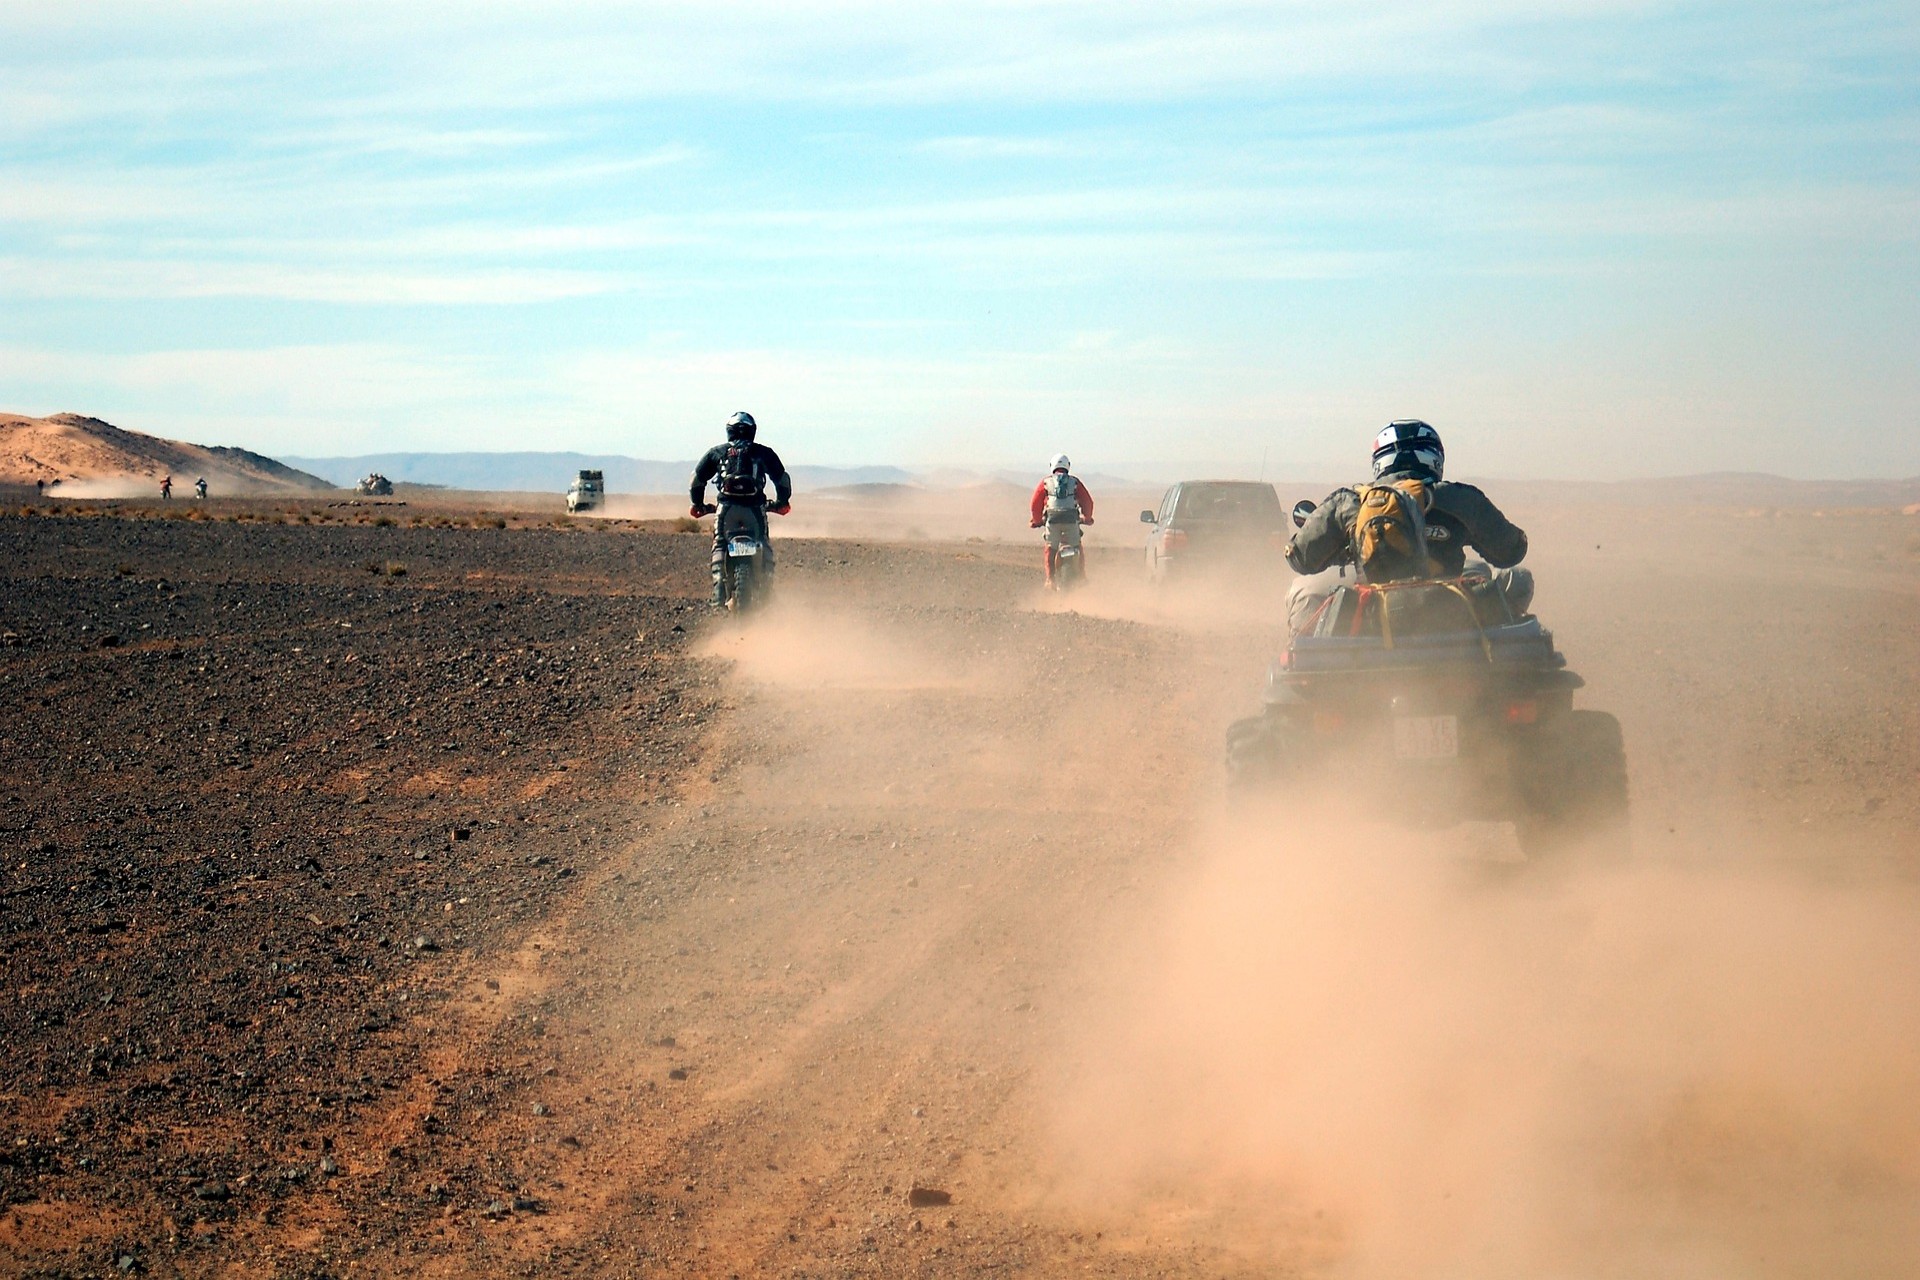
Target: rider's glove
{"type": "Point", "coordinates": [699, 509]}
{"type": "Point", "coordinates": [782, 509]}
{"type": "Point", "coordinates": [1034, 525]}
{"type": "Point", "coordinates": [1087, 520]}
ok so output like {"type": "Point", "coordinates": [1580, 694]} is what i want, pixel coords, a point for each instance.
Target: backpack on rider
{"type": "Point", "coordinates": [1063, 500]}
{"type": "Point", "coordinates": [741, 477]}
{"type": "Point", "coordinates": [1390, 530]}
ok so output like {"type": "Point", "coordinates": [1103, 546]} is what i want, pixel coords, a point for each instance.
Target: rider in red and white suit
{"type": "Point", "coordinates": [1060, 483]}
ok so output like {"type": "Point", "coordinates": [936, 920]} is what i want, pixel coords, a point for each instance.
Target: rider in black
{"type": "Point", "coordinates": [739, 471]}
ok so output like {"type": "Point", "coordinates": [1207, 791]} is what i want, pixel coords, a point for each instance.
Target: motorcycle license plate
{"type": "Point", "coordinates": [1426, 737]}
{"type": "Point", "coordinates": [743, 547]}
{"type": "Point", "coordinates": [1069, 551]}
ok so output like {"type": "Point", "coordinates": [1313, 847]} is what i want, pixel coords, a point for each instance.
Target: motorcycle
{"type": "Point", "coordinates": [1471, 704]}
{"type": "Point", "coordinates": [1069, 555]}
{"type": "Point", "coordinates": [740, 554]}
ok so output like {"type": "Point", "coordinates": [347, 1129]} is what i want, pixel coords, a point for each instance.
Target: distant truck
{"type": "Point", "coordinates": [587, 492]}
{"type": "Point", "coordinates": [375, 485]}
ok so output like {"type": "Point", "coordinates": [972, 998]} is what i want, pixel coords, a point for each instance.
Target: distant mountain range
{"type": "Point", "coordinates": [551, 472]}
{"type": "Point", "coordinates": [85, 456]}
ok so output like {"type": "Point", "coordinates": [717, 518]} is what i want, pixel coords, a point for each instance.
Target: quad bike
{"type": "Point", "coordinates": [1455, 708]}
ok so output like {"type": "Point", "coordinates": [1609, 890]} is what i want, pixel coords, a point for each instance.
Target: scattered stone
{"type": "Point", "coordinates": [126, 1264]}
{"type": "Point", "coordinates": [424, 943]}
{"type": "Point", "coordinates": [927, 1197]}
{"type": "Point", "coordinates": [213, 1190]}
{"type": "Point", "coordinates": [328, 1166]}
{"type": "Point", "coordinates": [459, 833]}
{"type": "Point", "coordinates": [497, 1209]}
{"type": "Point", "coordinates": [678, 1073]}
{"type": "Point", "coordinates": [541, 1109]}
{"type": "Point", "coordinates": [528, 1204]}
{"type": "Point", "coordinates": [110, 641]}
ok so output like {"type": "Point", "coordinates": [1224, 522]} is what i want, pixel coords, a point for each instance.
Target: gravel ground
{"type": "Point", "coordinates": [904, 930]}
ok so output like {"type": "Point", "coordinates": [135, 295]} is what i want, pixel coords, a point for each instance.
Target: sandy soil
{"type": "Point", "coordinates": [905, 930]}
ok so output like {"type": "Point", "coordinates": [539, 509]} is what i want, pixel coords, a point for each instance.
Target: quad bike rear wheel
{"type": "Point", "coordinates": [1573, 789]}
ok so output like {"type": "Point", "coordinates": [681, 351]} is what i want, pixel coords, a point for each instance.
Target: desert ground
{"type": "Point", "coordinates": [439, 889]}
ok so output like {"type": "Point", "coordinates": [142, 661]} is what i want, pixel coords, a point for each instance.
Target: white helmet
{"type": "Point", "coordinates": [1060, 463]}
{"type": "Point", "coordinates": [1408, 444]}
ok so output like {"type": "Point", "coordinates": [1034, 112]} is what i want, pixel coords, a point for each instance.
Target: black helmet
{"type": "Point", "coordinates": [741, 426]}
{"type": "Point", "coordinates": [1408, 445]}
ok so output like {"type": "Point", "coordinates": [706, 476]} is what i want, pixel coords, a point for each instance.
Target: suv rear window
{"type": "Point", "coordinates": [1240, 502]}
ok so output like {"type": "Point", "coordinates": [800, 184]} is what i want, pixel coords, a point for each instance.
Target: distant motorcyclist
{"type": "Point", "coordinates": [1408, 454]}
{"type": "Point", "coordinates": [200, 488]}
{"type": "Point", "coordinates": [739, 471]}
{"type": "Point", "coordinates": [166, 487]}
{"type": "Point", "coordinates": [1061, 504]}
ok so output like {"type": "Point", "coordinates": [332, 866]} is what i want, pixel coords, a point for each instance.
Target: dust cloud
{"type": "Point", "coordinates": [1347, 1052]}
{"type": "Point", "coordinates": [804, 644]}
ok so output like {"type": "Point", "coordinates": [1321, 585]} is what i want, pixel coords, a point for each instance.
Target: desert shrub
{"type": "Point", "coordinates": [686, 524]}
{"type": "Point", "coordinates": [394, 569]}
{"type": "Point", "coordinates": [383, 522]}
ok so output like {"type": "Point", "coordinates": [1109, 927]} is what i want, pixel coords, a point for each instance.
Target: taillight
{"type": "Point", "coordinates": [1173, 540]}
{"type": "Point", "coordinates": [1522, 711]}
{"type": "Point", "coordinates": [1328, 721]}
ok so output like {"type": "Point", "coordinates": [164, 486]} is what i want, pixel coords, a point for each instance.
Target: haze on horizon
{"type": "Point", "coordinates": [1608, 240]}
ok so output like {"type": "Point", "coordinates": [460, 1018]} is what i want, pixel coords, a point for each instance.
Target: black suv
{"type": "Point", "coordinates": [1215, 524]}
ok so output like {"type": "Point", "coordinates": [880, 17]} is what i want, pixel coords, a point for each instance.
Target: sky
{"type": "Point", "coordinates": [1597, 239]}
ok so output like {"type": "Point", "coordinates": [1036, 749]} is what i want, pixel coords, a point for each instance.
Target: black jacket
{"type": "Point", "coordinates": [709, 466]}
{"type": "Point", "coordinates": [1467, 516]}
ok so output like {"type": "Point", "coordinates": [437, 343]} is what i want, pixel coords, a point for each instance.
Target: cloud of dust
{"type": "Point", "coordinates": [800, 643]}
{"type": "Point", "coordinates": [1349, 1054]}
{"type": "Point", "coordinates": [119, 487]}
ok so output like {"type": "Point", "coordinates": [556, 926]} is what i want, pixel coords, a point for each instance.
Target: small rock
{"type": "Point", "coordinates": [214, 1190]}
{"type": "Point", "coordinates": [926, 1197]}
{"type": "Point", "coordinates": [328, 1167]}
{"type": "Point", "coordinates": [678, 1073]}
{"type": "Point", "coordinates": [126, 1264]}
{"type": "Point", "coordinates": [528, 1204]}
{"type": "Point", "coordinates": [110, 641]}
{"type": "Point", "coordinates": [424, 943]}
{"type": "Point", "coordinates": [459, 833]}
{"type": "Point", "coordinates": [497, 1209]}
{"type": "Point", "coordinates": [540, 1109]}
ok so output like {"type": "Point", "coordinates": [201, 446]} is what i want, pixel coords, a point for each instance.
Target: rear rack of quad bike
{"type": "Point", "coordinates": [1426, 623]}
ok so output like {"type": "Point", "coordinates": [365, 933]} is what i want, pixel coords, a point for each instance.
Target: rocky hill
{"type": "Point", "coordinates": [81, 456]}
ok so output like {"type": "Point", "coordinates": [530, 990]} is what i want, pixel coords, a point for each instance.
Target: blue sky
{"type": "Point", "coordinates": [1585, 239]}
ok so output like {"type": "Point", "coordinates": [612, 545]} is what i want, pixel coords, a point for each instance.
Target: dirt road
{"type": "Point", "coordinates": [908, 932]}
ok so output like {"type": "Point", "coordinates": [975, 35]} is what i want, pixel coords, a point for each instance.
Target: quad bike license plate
{"type": "Point", "coordinates": [1426, 737]}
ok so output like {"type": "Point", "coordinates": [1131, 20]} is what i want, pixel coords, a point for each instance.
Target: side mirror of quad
{"type": "Point", "coordinates": [1146, 517]}
{"type": "Point", "coordinates": [1302, 509]}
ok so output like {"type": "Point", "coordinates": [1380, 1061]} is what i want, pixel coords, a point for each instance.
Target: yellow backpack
{"type": "Point", "coordinates": [1390, 531]}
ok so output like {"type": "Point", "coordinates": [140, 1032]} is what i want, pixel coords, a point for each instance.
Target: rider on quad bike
{"type": "Point", "coordinates": [1061, 504]}
{"type": "Point", "coordinates": [1420, 662]}
{"type": "Point", "coordinates": [739, 471]}
{"type": "Point", "coordinates": [1407, 455]}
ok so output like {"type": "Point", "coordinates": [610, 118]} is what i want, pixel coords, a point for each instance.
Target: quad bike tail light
{"type": "Point", "coordinates": [1521, 711]}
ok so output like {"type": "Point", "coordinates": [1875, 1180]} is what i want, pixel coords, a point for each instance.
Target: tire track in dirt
{"type": "Point", "coordinates": [855, 943]}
